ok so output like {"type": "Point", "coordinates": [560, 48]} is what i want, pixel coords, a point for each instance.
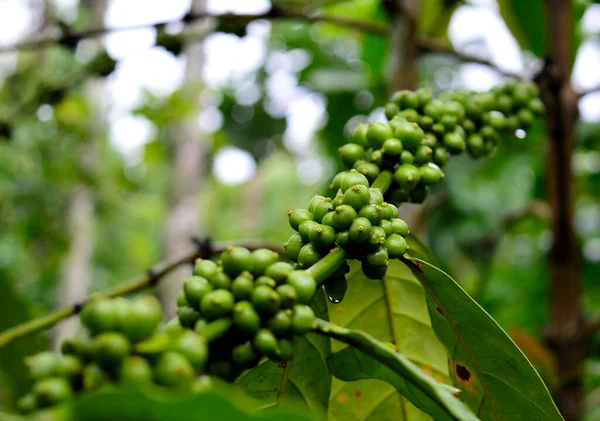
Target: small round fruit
{"type": "Point", "coordinates": [454, 143]}
{"type": "Point", "coordinates": [187, 316]}
{"type": "Point", "coordinates": [400, 227]}
{"type": "Point", "coordinates": [424, 96]}
{"type": "Point", "coordinates": [359, 135]}
{"type": "Point", "coordinates": [350, 153]}
{"type": "Point", "coordinates": [245, 317]}
{"type": "Point", "coordinates": [496, 119]}
{"type": "Point", "coordinates": [173, 369]}
{"type": "Point", "coordinates": [338, 200]}
{"type": "Point", "coordinates": [263, 258]}
{"type": "Point", "coordinates": [373, 272]}
{"type": "Point", "coordinates": [304, 284]}
{"type": "Point", "coordinates": [343, 217]}
{"type": "Point", "coordinates": [297, 216]}
{"type": "Point", "coordinates": [235, 260]}
{"type": "Point", "coordinates": [110, 348]}
{"type": "Point", "coordinates": [321, 209]}
{"type": "Point", "coordinates": [378, 258]}
{"type": "Point", "coordinates": [51, 390]}
{"type": "Point", "coordinates": [352, 179]}
{"type": "Point", "coordinates": [265, 300]}
{"type": "Point", "coordinates": [322, 237]}
{"type": "Point", "coordinates": [391, 110]}
{"type": "Point", "coordinates": [342, 239]}
{"type": "Point", "coordinates": [360, 230]}
{"type": "Point", "coordinates": [100, 316]}
{"type": "Point", "coordinates": [193, 347]}
{"type": "Point", "coordinates": [135, 371]}
{"type": "Point", "coordinates": [287, 294]}
{"type": "Point", "coordinates": [357, 197]}
{"type": "Point", "coordinates": [143, 317]}
{"type": "Point", "coordinates": [396, 246]}
{"type": "Point", "coordinates": [315, 199]}
{"type": "Point", "coordinates": [181, 300]}
{"type": "Point", "coordinates": [410, 134]}
{"type": "Point", "coordinates": [280, 323]}
{"type": "Point", "coordinates": [303, 319]}
{"type": "Point", "coordinates": [376, 196]}
{"type": "Point", "coordinates": [304, 229]}
{"type": "Point", "coordinates": [407, 176]}
{"type": "Point", "coordinates": [309, 255]}
{"type": "Point", "coordinates": [244, 355]}
{"type": "Point", "coordinates": [265, 342]}
{"type": "Point", "coordinates": [369, 170]}
{"type": "Point", "coordinates": [430, 174]}
{"type": "Point", "coordinates": [377, 133]}
{"type": "Point", "coordinates": [407, 158]}
{"type": "Point", "coordinates": [221, 280]}
{"type": "Point", "coordinates": [243, 286]}
{"type": "Point", "coordinates": [536, 106]}
{"type": "Point", "coordinates": [423, 155]}
{"type": "Point", "coordinates": [440, 156]}
{"type": "Point", "coordinates": [377, 237]}
{"type": "Point", "coordinates": [454, 109]}
{"type": "Point", "coordinates": [374, 213]}
{"type": "Point", "coordinates": [205, 268]}
{"type": "Point", "coordinates": [42, 364]}
{"type": "Point", "coordinates": [217, 303]}
{"type": "Point", "coordinates": [526, 118]}
{"type": "Point", "coordinates": [70, 366]}
{"type": "Point", "coordinates": [27, 404]}
{"type": "Point", "coordinates": [327, 219]}
{"type": "Point", "coordinates": [387, 227]}
{"type": "Point", "coordinates": [475, 145]}
{"type": "Point", "coordinates": [389, 211]}
{"type": "Point", "coordinates": [279, 272]}
{"type": "Point", "coordinates": [93, 377]}
{"type": "Point", "coordinates": [265, 280]}
{"type": "Point", "coordinates": [434, 109]}
{"type": "Point", "coordinates": [336, 183]}
{"type": "Point", "coordinates": [392, 147]}
{"type": "Point", "coordinates": [285, 350]}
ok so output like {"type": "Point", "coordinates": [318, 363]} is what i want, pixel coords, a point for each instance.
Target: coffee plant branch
{"type": "Point", "coordinates": [204, 249]}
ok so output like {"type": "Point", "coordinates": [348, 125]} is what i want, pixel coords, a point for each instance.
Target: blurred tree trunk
{"type": "Point", "coordinates": [405, 75]}
{"type": "Point", "coordinates": [77, 265]}
{"type": "Point", "coordinates": [565, 332]}
{"type": "Point", "coordinates": [188, 169]}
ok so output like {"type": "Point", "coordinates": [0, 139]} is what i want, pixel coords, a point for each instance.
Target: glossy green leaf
{"type": "Point", "coordinates": [435, 16]}
{"type": "Point", "coordinates": [305, 379]}
{"type": "Point", "coordinates": [392, 310]}
{"type": "Point", "coordinates": [496, 379]}
{"type": "Point", "coordinates": [423, 391]}
{"type": "Point", "coordinates": [526, 20]}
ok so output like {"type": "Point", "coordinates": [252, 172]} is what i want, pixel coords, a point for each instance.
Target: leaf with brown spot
{"type": "Point", "coordinates": [496, 379]}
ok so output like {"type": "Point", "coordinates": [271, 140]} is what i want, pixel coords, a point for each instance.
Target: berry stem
{"type": "Point", "coordinates": [325, 267]}
{"type": "Point", "coordinates": [383, 181]}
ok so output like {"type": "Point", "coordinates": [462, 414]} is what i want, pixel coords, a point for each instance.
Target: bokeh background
{"type": "Point", "coordinates": [115, 150]}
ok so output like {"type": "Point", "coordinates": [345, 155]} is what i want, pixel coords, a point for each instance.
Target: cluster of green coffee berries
{"type": "Point", "coordinates": [423, 132]}
{"type": "Point", "coordinates": [357, 220]}
{"type": "Point", "coordinates": [248, 305]}
{"type": "Point", "coordinates": [122, 344]}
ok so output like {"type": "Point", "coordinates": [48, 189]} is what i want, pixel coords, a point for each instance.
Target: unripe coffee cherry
{"type": "Point", "coordinates": [424, 96]}
{"type": "Point", "coordinates": [315, 199]}
{"type": "Point", "coordinates": [360, 230]}
{"type": "Point", "coordinates": [304, 284]}
{"type": "Point", "coordinates": [193, 347]}
{"type": "Point", "coordinates": [287, 294]}
{"type": "Point", "coordinates": [285, 350]}
{"type": "Point", "coordinates": [321, 209]}
{"type": "Point", "coordinates": [235, 260]}
{"type": "Point", "coordinates": [423, 155]}
{"type": "Point", "coordinates": [217, 303]}
{"type": "Point", "coordinates": [265, 342]}
{"type": "Point", "coordinates": [343, 217]}
{"type": "Point", "coordinates": [51, 390]}
{"type": "Point", "coordinates": [244, 355]}
{"type": "Point", "coordinates": [378, 257]}
{"type": "Point", "coordinates": [305, 228]}
{"type": "Point", "coordinates": [434, 109]}
{"type": "Point", "coordinates": [407, 158]}
{"type": "Point", "coordinates": [391, 110]}
{"type": "Point", "coordinates": [100, 316]}
{"type": "Point", "coordinates": [373, 213]}
{"type": "Point", "coordinates": [195, 288]}
{"type": "Point", "coordinates": [376, 196]}
{"type": "Point", "coordinates": [407, 176]}
{"type": "Point", "coordinates": [377, 238]}
{"type": "Point", "coordinates": [322, 237]}
{"type": "Point", "coordinates": [369, 170]}
{"type": "Point", "coordinates": [350, 153]}
{"type": "Point", "coordinates": [396, 246]}
{"type": "Point", "coordinates": [205, 268]}
{"type": "Point", "coordinates": [475, 145]}
{"type": "Point", "coordinates": [309, 255]}
{"type": "Point", "coordinates": [352, 179]}
{"type": "Point", "coordinates": [263, 258]}
{"type": "Point", "coordinates": [135, 371]}
{"type": "Point", "coordinates": [373, 272]}
{"type": "Point", "coordinates": [303, 318]}
{"type": "Point", "coordinates": [410, 134]}
{"type": "Point", "coordinates": [265, 280]}
{"type": "Point", "coordinates": [245, 317]}
{"type": "Point", "coordinates": [187, 316]}
{"type": "Point", "coordinates": [173, 369]}
{"type": "Point", "coordinates": [440, 156]}
{"type": "Point", "coordinates": [357, 197]}
{"type": "Point", "coordinates": [400, 227]}
{"type": "Point", "coordinates": [327, 220]}
{"type": "Point", "coordinates": [221, 280]}
{"type": "Point", "coordinates": [142, 318]}
{"type": "Point", "coordinates": [454, 143]}
{"type": "Point", "coordinates": [265, 300]}
{"type": "Point", "coordinates": [392, 147]}
{"type": "Point", "coordinates": [292, 246]}
{"type": "Point", "coordinates": [42, 364]}
{"type": "Point", "coordinates": [377, 133]}
{"type": "Point", "coordinates": [110, 348]}
{"type": "Point", "coordinates": [280, 323]}
{"type": "Point", "coordinates": [297, 216]}
{"type": "Point", "coordinates": [359, 135]}
{"type": "Point", "coordinates": [430, 174]}
{"type": "Point", "coordinates": [279, 272]}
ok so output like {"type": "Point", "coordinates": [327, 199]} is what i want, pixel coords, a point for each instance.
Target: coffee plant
{"type": "Point", "coordinates": [250, 318]}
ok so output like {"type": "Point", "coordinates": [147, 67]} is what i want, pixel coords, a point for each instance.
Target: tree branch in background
{"type": "Point", "coordinates": [204, 250]}
{"type": "Point", "coordinates": [592, 90]}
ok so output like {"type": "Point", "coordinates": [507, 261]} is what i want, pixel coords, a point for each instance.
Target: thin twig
{"type": "Point", "coordinates": [592, 90]}
{"type": "Point", "coordinates": [72, 38]}
{"type": "Point", "coordinates": [204, 250]}
{"type": "Point", "coordinates": [429, 45]}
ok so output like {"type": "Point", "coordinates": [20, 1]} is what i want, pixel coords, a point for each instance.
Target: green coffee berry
{"type": "Point", "coordinates": [280, 323]}
{"type": "Point", "coordinates": [468, 126]}
{"type": "Point", "coordinates": [50, 391]}
{"type": "Point", "coordinates": [476, 145]}
{"type": "Point", "coordinates": [407, 176]}
{"type": "Point", "coordinates": [423, 155]}
{"type": "Point", "coordinates": [265, 280]}
{"type": "Point", "coordinates": [27, 404]}
{"type": "Point", "coordinates": [424, 96]}
{"type": "Point", "coordinates": [410, 115]}
{"type": "Point", "coordinates": [391, 110]}
{"type": "Point", "coordinates": [156, 344]}
{"type": "Point", "coordinates": [70, 366]}
{"type": "Point", "coordinates": [215, 330]}
{"type": "Point", "coordinates": [536, 106]}
{"type": "Point", "coordinates": [410, 134]}
{"type": "Point", "coordinates": [454, 143]}
{"type": "Point", "coordinates": [193, 347]}
{"type": "Point", "coordinates": [430, 174]}
{"type": "Point", "coordinates": [279, 271]}
{"type": "Point", "coordinates": [315, 199]}
{"type": "Point", "coordinates": [336, 183]}
{"type": "Point", "coordinates": [187, 316]}
{"type": "Point", "coordinates": [292, 246]}
{"type": "Point", "coordinates": [438, 130]}
{"type": "Point", "coordinates": [496, 120]}
{"type": "Point", "coordinates": [359, 135]}
{"type": "Point", "coordinates": [322, 237]}
{"type": "Point", "coordinates": [350, 153]}
{"type": "Point", "coordinates": [357, 197]}
{"type": "Point", "coordinates": [396, 246]}
{"type": "Point", "coordinates": [373, 271]}
{"type": "Point", "coordinates": [407, 158]}
{"type": "Point", "coordinates": [243, 286]}
{"type": "Point", "coordinates": [489, 133]}
{"type": "Point", "coordinates": [221, 280]}
{"type": "Point", "coordinates": [135, 371]}
{"type": "Point", "coordinates": [265, 342]}
{"type": "Point", "coordinates": [434, 109]}
{"type": "Point", "coordinates": [526, 118]}
{"type": "Point", "coordinates": [285, 350]}
{"type": "Point", "coordinates": [217, 303]}
{"type": "Point", "coordinates": [388, 211]}
{"type": "Point", "coordinates": [304, 284]}
{"type": "Point", "coordinates": [449, 123]}
{"type": "Point", "coordinates": [376, 196]}
{"type": "Point", "coordinates": [305, 228]}
{"type": "Point", "coordinates": [244, 355]}
{"type": "Point", "coordinates": [303, 319]}
{"type": "Point", "coordinates": [142, 318]}
{"type": "Point", "coordinates": [205, 268]}
{"type": "Point", "coordinates": [263, 258]}
{"type": "Point", "coordinates": [377, 133]}
{"type": "Point", "coordinates": [392, 147]}
{"type": "Point", "coordinates": [321, 209]}
{"type": "Point", "coordinates": [309, 255]}
{"type": "Point", "coordinates": [297, 216]}
{"type": "Point", "coordinates": [440, 156]}
{"type": "Point", "coordinates": [429, 140]}
{"type": "Point", "coordinates": [454, 109]}
{"type": "Point", "coordinates": [173, 369]}
{"type": "Point", "coordinates": [377, 237]}
{"type": "Point", "coordinates": [265, 300]}
{"type": "Point", "coordinates": [387, 227]}
{"type": "Point", "coordinates": [100, 316]}
{"type": "Point", "coordinates": [342, 239]}
{"type": "Point", "coordinates": [181, 300]}
{"type": "Point", "coordinates": [42, 364]}
{"type": "Point", "coordinates": [287, 294]}
{"type": "Point", "coordinates": [352, 179]}
{"type": "Point", "coordinates": [110, 348]}
{"type": "Point", "coordinates": [327, 220]}
{"type": "Point", "coordinates": [236, 260]}
{"type": "Point", "coordinates": [369, 170]}
{"type": "Point", "coordinates": [338, 199]}
{"type": "Point", "coordinates": [360, 230]}
{"type": "Point", "coordinates": [374, 213]}
{"type": "Point", "coordinates": [343, 217]}
{"type": "Point", "coordinates": [400, 227]}
{"type": "Point", "coordinates": [378, 257]}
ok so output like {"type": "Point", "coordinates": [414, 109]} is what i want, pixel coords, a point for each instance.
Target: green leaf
{"type": "Point", "coordinates": [496, 379]}
{"type": "Point", "coordinates": [526, 20]}
{"type": "Point", "coordinates": [435, 16]}
{"type": "Point", "coordinates": [305, 379]}
{"type": "Point", "coordinates": [432, 397]}
{"type": "Point", "coordinates": [391, 310]}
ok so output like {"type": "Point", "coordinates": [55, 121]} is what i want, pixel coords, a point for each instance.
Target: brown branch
{"type": "Point", "coordinates": [592, 90]}
{"type": "Point", "coordinates": [72, 38]}
{"type": "Point", "coordinates": [205, 249]}
{"type": "Point", "coordinates": [591, 327]}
